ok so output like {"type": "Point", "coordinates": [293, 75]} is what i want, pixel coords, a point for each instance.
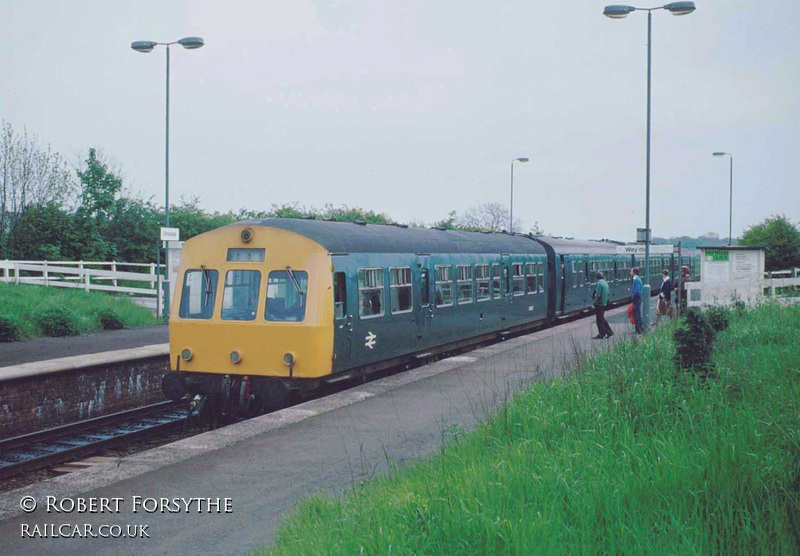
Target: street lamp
{"type": "Point", "coordinates": [511, 218]}
{"type": "Point", "coordinates": [730, 208]}
{"type": "Point", "coordinates": [619, 12]}
{"type": "Point", "coordinates": [189, 43]}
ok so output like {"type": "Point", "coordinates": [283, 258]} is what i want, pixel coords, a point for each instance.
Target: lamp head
{"type": "Point", "coordinates": [617, 11]}
{"type": "Point", "coordinates": [190, 43]}
{"type": "Point", "coordinates": [523, 159]}
{"type": "Point", "coordinates": [720, 154]}
{"type": "Point", "coordinates": [143, 46]}
{"type": "Point", "coordinates": [680, 8]}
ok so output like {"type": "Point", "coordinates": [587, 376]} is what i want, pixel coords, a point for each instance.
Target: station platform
{"type": "Point", "coordinates": [43, 349]}
{"type": "Point", "coordinates": [266, 464]}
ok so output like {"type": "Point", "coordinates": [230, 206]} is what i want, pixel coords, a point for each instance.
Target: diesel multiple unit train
{"type": "Point", "coordinates": [265, 307]}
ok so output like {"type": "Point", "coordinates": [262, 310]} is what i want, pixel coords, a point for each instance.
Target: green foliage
{"type": "Point", "coordinates": [694, 344]}
{"type": "Point", "coordinates": [192, 220]}
{"type": "Point", "coordinates": [43, 232]}
{"type": "Point", "coordinates": [9, 329]}
{"type": "Point", "coordinates": [110, 320]}
{"type": "Point", "coordinates": [99, 187]}
{"type": "Point", "coordinates": [624, 457]}
{"type": "Point", "coordinates": [718, 317]}
{"type": "Point", "coordinates": [780, 237]}
{"type": "Point", "coordinates": [57, 321]}
{"type": "Point", "coordinates": [25, 304]}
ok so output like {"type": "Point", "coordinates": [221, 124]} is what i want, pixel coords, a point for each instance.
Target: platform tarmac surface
{"type": "Point", "coordinates": [43, 349]}
{"type": "Point", "coordinates": [266, 464]}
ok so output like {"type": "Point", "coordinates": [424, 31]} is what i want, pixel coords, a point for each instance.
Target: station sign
{"type": "Point", "coordinates": [170, 234]}
{"type": "Point", "coordinates": [640, 249]}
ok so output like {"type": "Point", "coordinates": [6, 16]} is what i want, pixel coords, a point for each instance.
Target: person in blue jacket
{"type": "Point", "coordinates": [636, 298]}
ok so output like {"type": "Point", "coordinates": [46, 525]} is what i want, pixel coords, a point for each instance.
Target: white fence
{"type": "Point", "coordinates": [774, 285]}
{"type": "Point", "coordinates": [83, 274]}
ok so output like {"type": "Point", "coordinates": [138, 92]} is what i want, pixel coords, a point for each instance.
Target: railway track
{"type": "Point", "coordinates": [45, 448]}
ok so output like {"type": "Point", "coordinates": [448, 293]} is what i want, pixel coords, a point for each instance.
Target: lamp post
{"type": "Point", "coordinates": [511, 218]}
{"type": "Point", "coordinates": [619, 12]}
{"type": "Point", "coordinates": [189, 43]}
{"type": "Point", "coordinates": [730, 207]}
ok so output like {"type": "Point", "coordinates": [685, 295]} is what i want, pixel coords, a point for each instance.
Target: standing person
{"type": "Point", "coordinates": [685, 277]}
{"type": "Point", "coordinates": [664, 297]}
{"type": "Point", "coordinates": [636, 298]}
{"type": "Point", "coordinates": [600, 297]}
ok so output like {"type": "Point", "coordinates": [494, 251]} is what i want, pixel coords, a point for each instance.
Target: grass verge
{"type": "Point", "coordinates": [30, 310]}
{"type": "Point", "coordinates": [624, 456]}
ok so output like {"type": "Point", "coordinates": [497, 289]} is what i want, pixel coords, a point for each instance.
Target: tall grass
{"type": "Point", "coordinates": [624, 456]}
{"type": "Point", "coordinates": [22, 303]}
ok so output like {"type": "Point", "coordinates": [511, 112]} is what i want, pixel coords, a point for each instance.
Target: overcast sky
{"type": "Point", "coordinates": [416, 108]}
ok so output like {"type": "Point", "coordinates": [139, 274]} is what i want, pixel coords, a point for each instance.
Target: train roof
{"type": "Point", "coordinates": [563, 246]}
{"type": "Point", "coordinates": [350, 237]}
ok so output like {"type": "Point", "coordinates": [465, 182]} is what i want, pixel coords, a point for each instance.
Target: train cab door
{"type": "Point", "coordinates": [343, 308]}
{"type": "Point", "coordinates": [424, 308]}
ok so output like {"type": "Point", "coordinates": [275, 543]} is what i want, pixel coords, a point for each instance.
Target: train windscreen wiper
{"type": "Point", "coordinates": [206, 281]}
{"type": "Point", "coordinates": [294, 281]}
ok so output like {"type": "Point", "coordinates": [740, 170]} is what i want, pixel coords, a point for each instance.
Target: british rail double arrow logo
{"type": "Point", "coordinates": [370, 340]}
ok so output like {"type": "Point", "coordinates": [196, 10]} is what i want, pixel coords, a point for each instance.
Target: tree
{"type": "Point", "coordinates": [44, 232]}
{"type": "Point", "coordinates": [780, 237]}
{"type": "Point", "coordinates": [488, 217]}
{"type": "Point", "coordinates": [30, 174]}
{"type": "Point", "coordinates": [99, 188]}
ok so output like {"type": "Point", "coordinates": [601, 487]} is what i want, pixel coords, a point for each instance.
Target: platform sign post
{"type": "Point", "coordinates": [167, 235]}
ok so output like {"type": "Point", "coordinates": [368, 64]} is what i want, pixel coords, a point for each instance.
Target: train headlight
{"type": "Point", "coordinates": [236, 357]}
{"type": "Point", "coordinates": [187, 354]}
{"type": "Point", "coordinates": [289, 359]}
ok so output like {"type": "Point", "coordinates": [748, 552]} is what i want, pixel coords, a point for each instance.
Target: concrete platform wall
{"type": "Point", "coordinates": [38, 396]}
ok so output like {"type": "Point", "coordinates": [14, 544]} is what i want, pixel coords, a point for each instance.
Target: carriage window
{"type": "Point", "coordinates": [400, 289]}
{"type": "Point", "coordinates": [199, 292]}
{"type": "Point", "coordinates": [424, 286]}
{"type": "Point", "coordinates": [240, 296]}
{"type": "Point", "coordinates": [339, 295]}
{"type": "Point", "coordinates": [482, 281]}
{"type": "Point", "coordinates": [464, 284]}
{"type": "Point", "coordinates": [517, 279]}
{"type": "Point", "coordinates": [444, 285]}
{"type": "Point", "coordinates": [541, 268]}
{"type": "Point", "coordinates": [496, 281]}
{"type": "Point", "coordinates": [286, 296]}
{"type": "Point", "coordinates": [587, 277]}
{"type": "Point", "coordinates": [530, 278]}
{"type": "Point", "coordinates": [370, 292]}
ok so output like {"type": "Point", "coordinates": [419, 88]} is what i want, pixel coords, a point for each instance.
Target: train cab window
{"type": "Point", "coordinates": [370, 292]}
{"type": "Point", "coordinates": [424, 288]}
{"type": "Point", "coordinates": [339, 295]}
{"type": "Point", "coordinates": [496, 293]}
{"type": "Point", "coordinates": [198, 294]}
{"type": "Point", "coordinates": [240, 294]}
{"type": "Point", "coordinates": [400, 289]}
{"type": "Point", "coordinates": [464, 283]}
{"type": "Point", "coordinates": [482, 281]}
{"type": "Point", "coordinates": [444, 285]}
{"type": "Point", "coordinates": [286, 295]}
{"type": "Point", "coordinates": [530, 278]}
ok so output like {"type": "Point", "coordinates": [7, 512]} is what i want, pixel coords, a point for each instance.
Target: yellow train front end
{"type": "Point", "coordinates": [251, 319]}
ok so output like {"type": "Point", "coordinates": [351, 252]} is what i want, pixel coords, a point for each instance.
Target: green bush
{"type": "Point", "coordinates": [718, 317]}
{"type": "Point", "coordinates": [57, 321]}
{"type": "Point", "coordinates": [9, 329]}
{"type": "Point", "coordinates": [694, 344]}
{"type": "Point", "coordinates": [110, 320]}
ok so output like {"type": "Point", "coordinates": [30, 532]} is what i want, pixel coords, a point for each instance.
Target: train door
{"type": "Point", "coordinates": [342, 321]}
{"type": "Point", "coordinates": [561, 284]}
{"type": "Point", "coordinates": [506, 295]}
{"type": "Point", "coordinates": [423, 311]}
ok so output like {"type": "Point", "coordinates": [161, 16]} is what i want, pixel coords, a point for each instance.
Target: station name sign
{"type": "Point", "coordinates": [170, 234]}
{"type": "Point", "coordinates": [639, 249]}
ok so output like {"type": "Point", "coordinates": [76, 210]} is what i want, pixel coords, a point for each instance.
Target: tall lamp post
{"type": "Point", "coordinates": [189, 43]}
{"type": "Point", "coordinates": [511, 218]}
{"type": "Point", "coordinates": [730, 207]}
{"type": "Point", "coordinates": [619, 12]}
